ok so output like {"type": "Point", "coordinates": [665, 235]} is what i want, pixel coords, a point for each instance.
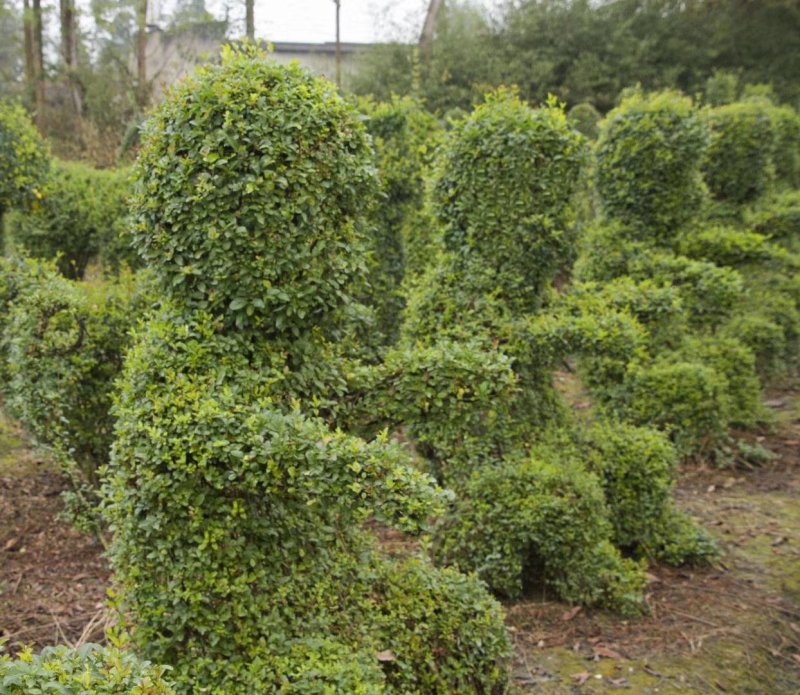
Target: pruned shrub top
{"type": "Point", "coordinates": [23, 158]}
{"type": "Point", "coordinates": [504, 184]}
{"type": "Point", "coordinates": [251, 193]}
{"type": "Point", "coordinates": [648, 163]}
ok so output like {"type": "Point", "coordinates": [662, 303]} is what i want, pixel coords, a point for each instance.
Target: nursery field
{"type": "Point", "coordinates": [732, 628]}
{"type": "Point", "coordinates": [325, 395]}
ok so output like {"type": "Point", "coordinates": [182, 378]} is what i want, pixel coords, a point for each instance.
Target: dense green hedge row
{"type": "Point", "coordinates": [78, 218]}
{"type": "Point", "coordinates": [311, 302]}
{"type": "Point", "coordinates": [733, 276]}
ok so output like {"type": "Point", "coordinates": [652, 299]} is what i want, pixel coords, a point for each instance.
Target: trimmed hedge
{"type": "Point", "coordinates": [648, 163]}
{"type": "Point", "coordinates": [237, 511]}
{"type": "Point", "coordinates": [88, 670]}
{"type": "Point", "coordinates": [24, 159]}
{"type": "Point", "coordinates": [79, 217]}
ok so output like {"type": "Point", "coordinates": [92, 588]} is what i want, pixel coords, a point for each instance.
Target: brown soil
{"type": "Point", "coordinates": [52, 578]}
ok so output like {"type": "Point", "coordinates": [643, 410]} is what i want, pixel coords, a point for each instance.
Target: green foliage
{"type": "Point", "coordinates": [721, 88]}
{"type": "Point", "coordinates": [648, 163]}
{"type": "Point", "coordinates": [465, 641]}
{"type": "Point", "coordinates": [540, 521]}
{"type": "Point", "coordinates": [237, 511]}
{"type": "Point", "coordinates": [24, 158]}
{"type": "Point", "coordinates": [79, 216]}
{"type": "Point", "coordinates": [786, 156]}
{"type": "Point", "coordinates": [87, 670]}
{"type": "Point", "coordinates": [779, 220]}
{"type": "Point", "coordinates": [17, 277]}
{"type": "Point", "coordinates": [636, 468]}
{"type": "Point", "coordinates": [688, 400]}
{"type": "Point", "coordinates": [404, 137]}
{"type": "Point", "coordinates": [451, 396]}
{"type": "Point", "coordinates": [252, 190]}
{"type": "Point", "coordinates": [584, 117]}
{"type": "Point", "coordinates": [65, 344]}
{"type": "Point", "coordinates": [726, 246]}
{"type": "Point", "coordinates": [738, 166]}
{"type": "Point", "coordinates": [502, 193]}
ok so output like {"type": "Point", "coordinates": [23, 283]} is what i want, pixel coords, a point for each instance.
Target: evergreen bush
{"type": "Point", "coordinates": [24, 159]}
{"type": "Point", "coordinates": [648, 163]}
{"type": "Point", "coordinates": [79, 214]}
{"type": "Point", "coordinates": [87, 670]}
{"type": "Point", "coordinates": [237, 511]}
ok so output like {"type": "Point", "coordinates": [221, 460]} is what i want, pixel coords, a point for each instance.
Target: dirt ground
{"type": "Point", "coordinates": [732, 628]}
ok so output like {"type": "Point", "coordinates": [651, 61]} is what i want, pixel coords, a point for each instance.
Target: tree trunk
{"type": "Point", "coordinates": [30, 67]}
{"type": "Point", "coordinates": [429, 28]}
{"type": "Point", "coordinates": [69, 52]}
{"type": "Point", "coordinates": [250, 19]}
{"type": "Point", "coordinates": [142, 87]}
{"type": "Point", "coordinates": [38, 62]}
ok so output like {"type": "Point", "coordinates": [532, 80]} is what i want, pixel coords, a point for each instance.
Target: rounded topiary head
{"type": "Point", "coordinates": [253, 183]}
{"type": "Point", "coordinates": [738, 167]}
{"type": "Point", "coordinates": [23, 158]}
{"type": "Point", "coordinates": [648, 163]}
{"type": "Point", "coordinates": [504, 186]}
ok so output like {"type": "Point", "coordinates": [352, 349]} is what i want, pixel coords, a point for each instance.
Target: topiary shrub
{"type": "Point", "coordinates": [688, 400]}
{"type": "Point", "coordinates": [738, 165]}
{"type": "Point", "coordinates": [79, 213]}
{"type": "Point", "coordinates": [223, 187]}
{"type": "Point", "coordinates": [584, 117]}
{"type": "Point", "coordinates": [540, 522]}
{"type": "Point", "coordinates": [506, 206]}
{"type": "Point", "coordinates": [24, 159]}
{"type": "Point", "coordinates": [636, 468]}
{"type": "Point", "coordinates": [648, 163]}
{"type": "Point", "coordinates": [87, 670]}
{"type": "Point", "coordinates": [237, 511]}
{"type": "Point", "coordinates": [65, 344]}
{"type": "Point", "coordinates": [405, 137]}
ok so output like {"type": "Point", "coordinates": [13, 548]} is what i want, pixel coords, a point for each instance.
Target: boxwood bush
{"type": "Point", "coordinates": [65, 344]}
{"type": "Point", "coordinates": [648, 163]}
{"type": "Point", "coordinates": [237, 511]}
{"type": "Point", "coordinates": [24, 159]}
{"type": "Point", "coordinates": [738, 166]}
{"type": "Point", "coordinates": [79, 215]}
{"type": "Point", "coordinates": [87, 670]}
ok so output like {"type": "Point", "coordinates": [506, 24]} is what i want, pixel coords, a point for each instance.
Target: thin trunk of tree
{"type": "Point", "coordinates": [69, 52]}
{"type": "Point", "coordinates": [38, 62]}
{"type": "Point", "coordinates": [429, 28]}
{"type": "Point", "coordinates": [142, 90]}
{"type": "Point", "coordinates": [250, 19]}
{"type": "Point", "coordinates": [30, 68]}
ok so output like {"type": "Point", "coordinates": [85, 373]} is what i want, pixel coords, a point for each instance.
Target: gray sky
{"type": "Point", "coordinates": [314, 20]}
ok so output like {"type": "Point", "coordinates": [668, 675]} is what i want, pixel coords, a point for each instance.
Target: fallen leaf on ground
{"type": "Point", "coordinates": [570, 614]}
{"type": "Point", "coordinates": [386, 655]}
{"type": "Point", "coordinates": [581, 678]}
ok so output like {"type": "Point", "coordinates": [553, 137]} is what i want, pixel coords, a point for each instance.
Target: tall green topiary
{"type": "Point", "coordinates": [404, 137]}
{"type": "Point", "coordinates": [648, 163]}
{"type": "Point", "coordinates": [24, 158]}
{"type": "Point", "coordinates": [738, 166]}
{"type": "Point", "coordinates": [502, 198]}
{"type": "Point", "coordinates": [238, 512]}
